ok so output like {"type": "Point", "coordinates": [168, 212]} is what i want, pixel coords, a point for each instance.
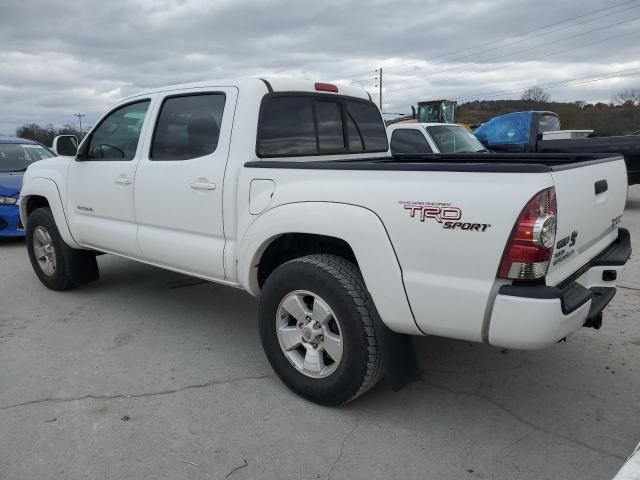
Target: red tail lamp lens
{"type": "Point", "coordinates": [530, 247]}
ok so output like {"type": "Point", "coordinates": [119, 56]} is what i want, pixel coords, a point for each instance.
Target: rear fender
{"type": "Point", "coordinates": [361, 228]}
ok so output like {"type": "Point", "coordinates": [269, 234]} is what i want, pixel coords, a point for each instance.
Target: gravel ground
{"type": "Point", "coordinates": [142, 375]}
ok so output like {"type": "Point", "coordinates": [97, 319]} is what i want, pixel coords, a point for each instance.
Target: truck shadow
{"type": "Point", "coordinates": [581, 366]}
{"type": "Point", "coordinates": [473, 397]}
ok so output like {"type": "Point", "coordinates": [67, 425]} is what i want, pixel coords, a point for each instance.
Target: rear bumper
{"type": "Point", "coordinates": [530, 317]}
{"type": "Point", "coordinates": [10, 225]}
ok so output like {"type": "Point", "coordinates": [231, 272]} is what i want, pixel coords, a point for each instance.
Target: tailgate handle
{"type": "Point", "coordinates": [601, 186]}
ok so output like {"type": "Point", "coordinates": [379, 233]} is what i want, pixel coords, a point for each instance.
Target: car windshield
{"type": "Point", "coordinates": [16, 157]}
{"type": "Point", "coordinates": [455, 139]}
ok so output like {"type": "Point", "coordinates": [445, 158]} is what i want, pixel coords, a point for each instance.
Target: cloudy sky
{"type": "Point", "coordinates": [60, 58]}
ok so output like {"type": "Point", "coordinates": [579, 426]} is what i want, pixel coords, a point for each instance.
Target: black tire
{"type": "Point", "coordinates": [339, 283]}
{"type": "Point", "coordinates": [73, 267]}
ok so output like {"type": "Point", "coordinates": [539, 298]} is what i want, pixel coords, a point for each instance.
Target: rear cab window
{"type": "Point", "coordinates": [409, 141]}
{"type": "Point", "coordinates": [316, 124]}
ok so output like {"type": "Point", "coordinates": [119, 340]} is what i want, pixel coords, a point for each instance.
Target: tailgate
{"type": "Point", "coordinates": [591, 197]}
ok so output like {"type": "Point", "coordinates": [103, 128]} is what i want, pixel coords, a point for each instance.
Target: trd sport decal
{"type": "Point", "coordinates": [444, 213]}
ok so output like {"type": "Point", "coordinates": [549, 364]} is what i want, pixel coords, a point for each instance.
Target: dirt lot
{"type": "Point", "coordinates": [143, 375]}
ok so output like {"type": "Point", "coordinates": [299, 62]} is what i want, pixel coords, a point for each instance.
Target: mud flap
{"type": "Point", "coordinates": [400, 360]}
{"type": "Point", "coordinates": [82, 265]}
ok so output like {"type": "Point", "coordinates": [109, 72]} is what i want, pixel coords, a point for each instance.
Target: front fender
{"type": "Point", "coordinates": [47, 188]}
{"type": "Point", "coordinates": [361, 228]}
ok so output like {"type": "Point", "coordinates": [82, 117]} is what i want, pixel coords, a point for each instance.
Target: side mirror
{"type": "Point", "coordinates": [65, 145]}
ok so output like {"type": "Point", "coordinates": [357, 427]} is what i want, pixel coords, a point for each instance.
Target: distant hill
{"type": "Point", "coordinates": [604, 119]}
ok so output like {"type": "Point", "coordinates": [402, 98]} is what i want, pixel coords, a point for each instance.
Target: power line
{"type": "Point", "coordinates": [539, 46]}
{"type": "Point", "coordinates": [571, 20]}
{"type": "Point", "coordinates": [530, 59]}
{"type": "Point", "coordinates": [602, 75]}
{"type": "Point", "coordinates": [630, 72]}
{"type": "Point", "coordinates": [522, 34]}
{"type": "Point", "coordinates": [362, 74]}
{"type": "Point", "coordinates": [567, 83]}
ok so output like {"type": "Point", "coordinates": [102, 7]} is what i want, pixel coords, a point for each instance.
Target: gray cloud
{"type": "Point", "coordinates": [59, 59]}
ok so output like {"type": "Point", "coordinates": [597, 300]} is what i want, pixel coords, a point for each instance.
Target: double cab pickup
{"type": "Point", "coordinates": [287, 189]}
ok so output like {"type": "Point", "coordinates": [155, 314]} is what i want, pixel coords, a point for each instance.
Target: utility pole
{"type": "Point", "coordinates": [80, 115]}
{"type": "Point", "coordinates": [380, 85]}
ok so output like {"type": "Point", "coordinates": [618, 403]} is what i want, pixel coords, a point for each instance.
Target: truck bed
{"type": "Point", "coordinates": [449, 270]}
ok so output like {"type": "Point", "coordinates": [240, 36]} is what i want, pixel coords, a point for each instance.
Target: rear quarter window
{"type": "Point", "coordinates": [315, 124]}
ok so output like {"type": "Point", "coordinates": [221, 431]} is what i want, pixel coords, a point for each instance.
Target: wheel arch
{"type": "Point", "coordinates": [288, 246]}
{"type": "Point", "coordinates": [43, 192]}
{"type": "Point", "coordinates": [349, 231]}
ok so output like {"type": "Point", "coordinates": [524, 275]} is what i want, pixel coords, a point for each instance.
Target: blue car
{"type": "Point", "coordinates": [15, 156]}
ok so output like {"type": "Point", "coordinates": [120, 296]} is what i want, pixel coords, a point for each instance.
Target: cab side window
{"type": "Point", "coordinates": [409, 141]}
{"type": "Point", "coordinates": [188, 127]}
{"type": "Point", "coordinates": [116, 138]}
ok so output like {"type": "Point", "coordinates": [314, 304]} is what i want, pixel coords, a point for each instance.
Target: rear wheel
{"type": "Point", "coordinates": [58, 266]}
{"type": "Point", "coordinates": [318, 326]}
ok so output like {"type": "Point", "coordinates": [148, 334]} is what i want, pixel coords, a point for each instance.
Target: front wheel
{"type": "Point", "coordinates": [318, 326]}
{"type": "Point", "coordinates": [58, 266]}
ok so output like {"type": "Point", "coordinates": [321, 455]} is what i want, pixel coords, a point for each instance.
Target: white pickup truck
{"type": "Point", "coordinates": [287, 189]}
{"type": "Point", "coordinates": [421, 138]}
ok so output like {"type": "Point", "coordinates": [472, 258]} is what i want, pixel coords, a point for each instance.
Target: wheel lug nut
{"type": "Point", "coordinates": [317, 324]}
{"type": "Point", "coordinates": [300, 325]}
{"type": "Point", "coordinates": [321, 338]}
{"type": "Point", "coordinates": [314, 345]}
{"type": "Point", "coordinates": [307, 319]}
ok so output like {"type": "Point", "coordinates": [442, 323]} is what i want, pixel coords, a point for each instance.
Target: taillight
{"type": "Point", "coordinates": [530, 247]}
{"type": "Point", "coordinates": [326, 87]}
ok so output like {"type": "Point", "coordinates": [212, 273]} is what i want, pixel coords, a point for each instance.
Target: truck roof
{"type": "Point", "coordinates": [423, 124]}
{"type": "Point", "coordinates": [275, 84]}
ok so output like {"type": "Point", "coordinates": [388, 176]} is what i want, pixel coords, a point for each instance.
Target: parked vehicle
{"type": "Point", "coordinates": [540, 132]}
{"type": "Point", "coordinates": [16, 154]}
{"type": "Point", "coordinates": [422, 138]}
{"type": "Point", "coordinates": [437, 111]}
{"type": "Point", "coordinates": [286, 189]}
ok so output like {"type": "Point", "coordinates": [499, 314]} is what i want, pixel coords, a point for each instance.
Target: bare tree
{"type": "Point", "coordinates": [536, 94]}
{"type": "Point", "coordinates": [627, 96]}
{"type": "Point", "coordinates": [46, 134]}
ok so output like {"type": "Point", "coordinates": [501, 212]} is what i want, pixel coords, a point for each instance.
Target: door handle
{"type": "Point", "coordinates": [601, 186]}
{"type": "Point", "coordinates": [123, 181]}
{"type": "Point", "coordinates": [203, 186]}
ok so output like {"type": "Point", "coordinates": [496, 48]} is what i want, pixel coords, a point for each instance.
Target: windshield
{"type": "Point", "coordinates": [16, 157]}
{"type": "Point", "coordinates": [455, 139]}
